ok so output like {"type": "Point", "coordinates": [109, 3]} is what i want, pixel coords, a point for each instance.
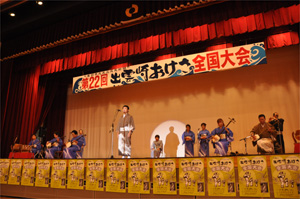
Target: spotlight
{"type": "Point", "coordinates": [39, 2]}
{"type": "Point", "coordinates": [12, 14]}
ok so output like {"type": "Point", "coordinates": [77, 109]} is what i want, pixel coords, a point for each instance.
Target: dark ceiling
{"type": "Point", "coordinates": [31, 16]}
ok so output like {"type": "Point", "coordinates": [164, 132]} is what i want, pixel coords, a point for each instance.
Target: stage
{"type": "Point", "coordinates": [208, 168]}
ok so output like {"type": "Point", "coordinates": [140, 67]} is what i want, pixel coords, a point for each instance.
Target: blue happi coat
{"type": "Point", "coordinates": [49, 153]}
{"type": "Point", "coordinates": [204, 147]}
{"type": "Point", "coordinates": [70, 153]}
{"type": "Point", "coordinates": [189, 145]}
{"type": "Point", "coordinates": [38, 147]}
{"type": "Point", "coordinates": [221, 147]}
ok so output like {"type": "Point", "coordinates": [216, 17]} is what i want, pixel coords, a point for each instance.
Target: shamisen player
{"type": "Point", "coordinates": [77, 142]}
{"type": "Point", "coordinates": [225, 136]}
{"type": "Point", "coordinates": [36, 145]}
{"type": "Point", "coordinates": [53, 145]}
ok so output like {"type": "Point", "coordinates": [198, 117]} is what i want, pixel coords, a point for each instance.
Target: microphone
{"type": "Point", "coordinates": [245, 138]}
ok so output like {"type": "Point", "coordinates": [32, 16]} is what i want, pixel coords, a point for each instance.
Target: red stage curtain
{"type": "Point", "coordinates": [22, 115]}
{"type": "Point", "coordinates": [282, 39]}
{"type": "Point", "coordinates": [233, 26]}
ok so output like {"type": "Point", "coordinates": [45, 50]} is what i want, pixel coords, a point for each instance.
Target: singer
{"type": "Point", "coordinates": [125, 129]}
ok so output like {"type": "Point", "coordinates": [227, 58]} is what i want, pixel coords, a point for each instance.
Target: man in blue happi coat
{"type": "Point", "coordinates": [188, 138]}
{"type": "Point", "coordinates": [56, 144]}
{"type": "Point", "coordinates": [36, 145]}
{"type": "Point", "coordinates": [221, 138]}
{"type": "Point", "coordinates": [77, 142]}
{"type": "Point", "coordinates": [203, 137]}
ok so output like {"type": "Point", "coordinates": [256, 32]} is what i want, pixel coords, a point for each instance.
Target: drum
{"type": "Point", "coordinates": [16, 147]}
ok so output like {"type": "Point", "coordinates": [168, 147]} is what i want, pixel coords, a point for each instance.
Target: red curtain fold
{"type": "Point", "coordinates": [229, 27]}
{"type": "Point", "coordinates": [282, 39]}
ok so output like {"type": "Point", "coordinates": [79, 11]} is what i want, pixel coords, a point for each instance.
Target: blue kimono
{"type": "Point", "coordinates": [70, 153]}
{"type": "Point", "coordinates": [204, 147]}
{"type": "Point", "coordinates": [84, 144]}
{"type": "Point", "coordinates": [189, 145]}
{"type": "Point", "coordinates": [49, 154]}
{"type": "Point", "coordinates": [221, 147]}
{"type": "Point", "coordinates": [37, 149]}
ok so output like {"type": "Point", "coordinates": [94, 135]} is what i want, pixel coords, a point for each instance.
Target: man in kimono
{"type": "Point", "coordinates": [221, 138]}
{"type": "Point", "coordinates": [56, 144]}
{"type": "Point", "coordinates": [77, 142]}
{"type": "Point", "coordinates": [157, 147]}
{"type": "Point", "coordinates": [203, 137]}
{"type": "Point", "coordinates": [263, 136]}
{"type": "Point", "coordinates": [278, 125]}
{"type": "Point", "coordinates": [125, 129]}
{"type": "Point", "coordinates": [36, 145]}
{"type": "Point", "coordinates": [188, 138]}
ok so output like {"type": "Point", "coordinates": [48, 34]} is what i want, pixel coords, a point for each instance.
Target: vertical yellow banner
{"type": "Point", "coordinates": [95, 175]}
{"type": "Point", "coordinates": [42, 173]}
{"type": "Point", "coordinates": [191, 177]}
{"type": "Point", "coordinates": [59, 174]}
{"type": "Point", "coordinates": [221, 176]}
{"type": "Point", "coordinates": [286, 175]}
{"type": "Point", "coordinates": [253, 176]}
{"type": "Point", "coordinates": [75, 174]}
{"type": "Point", "coordinates": [139, 176]}
{"type": "Point", "coordinates": [28, 172]}
{"type": "Point", "coordinates": [116, 176]}
{"type": "Point", "coordinates": [164, 176]}
{"type": "Point", "coordinates": [15, 172]}
{"type": "Point", "coordinates": [4, 168]}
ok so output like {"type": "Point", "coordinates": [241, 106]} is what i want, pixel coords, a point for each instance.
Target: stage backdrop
{"type": "Point", "coordinates": [165, 106]}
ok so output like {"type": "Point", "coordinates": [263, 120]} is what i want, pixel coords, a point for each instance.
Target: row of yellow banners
{"type": "Point", "coordinates": [252, 175]}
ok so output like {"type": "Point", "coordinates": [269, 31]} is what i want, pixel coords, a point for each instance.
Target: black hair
{"type": "Point", "coordinates": [126, 106]}
{"type": "Point", "coordinates": [203, 124]}
{"type": "Point", "coordinates": [75, 132]}
{"type": "Point", "coordinates": [219, 120]}
{"type": "Point", "coordinates": [262, 115]}
{"type": "Point", "coordinates": [188, 126]}
{"type": "Point", "coordinates": [275, 113]}
{"type": "Point", "coordinates": [33, 135]}
{"type": "Point", "coordinates": [157, 136]}
{"type": "Point", "coordinates": [56, 133]}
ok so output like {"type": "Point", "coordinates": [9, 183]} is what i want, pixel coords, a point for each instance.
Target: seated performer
{"type": "Point", "coordinates": [221, 138]}
{"type": "Point", "coordinates": [203, 138]}
{"type": "Point", "coordinates": [188, 138]}
{"type": "Point", "coordinates": [76, 143]}
{"type": "Point", "coordinates": [36, 145]}
{"type": "Point", "coordinates": [278, 125]}
{"type": "Point", "coordinates": [157, 147]}
{"type": "Point", "coordinates": [84, 142]}
{"type": "Point", "coordinates": [263, 136]}
{"type": "Point", "coordinates": [53, 145]}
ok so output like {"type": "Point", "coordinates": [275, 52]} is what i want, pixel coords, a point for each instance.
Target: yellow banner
{"type": "Point", "coordinates": [253, 176]}
{"type": "Point", "coordinates": [75, 174]}
{"type": "Point", "coordinates": [116, 176]}
{"type": "Point", "coordinates": [15, 172]}
{"type": "Point", "coordinates": [95, 175]}
{"type": "Point", "coordinates": [4, 168]}
{"type": "Point", "coordinates": [59, 174]}
{"type": "Point", "coordinates": [286, 175]}
{"type": "Point", "coordinates": [42, 173]}
{"type": "Point", "coordinates": [221, 176]}
{"type": "Point", "coordinates": [164, 176]}
{"type": "Point", "coordinates": [191, 177]}
{"type": "Point", "coordinates": [28, 172]}
{"type": "Point", "coordinates": [139, 176]}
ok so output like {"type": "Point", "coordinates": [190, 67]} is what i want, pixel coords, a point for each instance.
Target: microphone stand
{"type": "Point", "coordinates": [112, 130]}
{"type": "Point", "coordinates": [245, 140]}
